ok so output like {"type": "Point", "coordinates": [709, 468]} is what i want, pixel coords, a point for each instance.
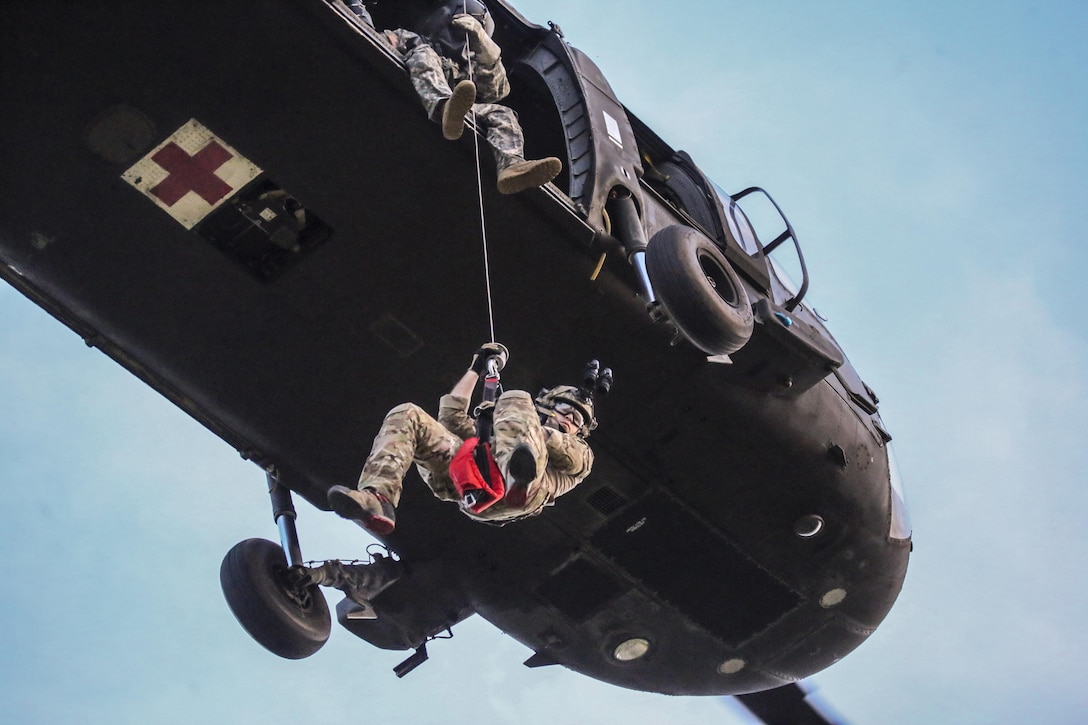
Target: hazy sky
{"type": "Point", "coordinates": [931, 156]}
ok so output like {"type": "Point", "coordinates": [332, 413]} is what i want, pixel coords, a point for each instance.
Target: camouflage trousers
{"type": "Point", "coordinates": [410, 435]}
{"type": "Point", "coordinates": [433, 76]}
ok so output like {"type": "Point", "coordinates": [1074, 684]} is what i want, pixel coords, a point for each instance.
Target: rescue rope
{"type": "Point", "coordinates": [480, 193]}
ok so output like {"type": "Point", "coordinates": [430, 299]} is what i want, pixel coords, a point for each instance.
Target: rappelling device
{"type": "Point", "coordinates": [475, 474]}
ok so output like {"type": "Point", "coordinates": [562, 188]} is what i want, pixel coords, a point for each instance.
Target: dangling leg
{"type": "Point", "coordinates": [431, 76]}
{"type": "Point", "coordinates": [507, 141]}
{"type": "Point", "coordinates": [407, 434]}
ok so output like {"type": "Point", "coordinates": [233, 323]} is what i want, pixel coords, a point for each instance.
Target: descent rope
{"type": "Point", "coordinates": [480, 195]}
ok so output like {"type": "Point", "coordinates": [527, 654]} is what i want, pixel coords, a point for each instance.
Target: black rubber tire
{"type": "Point", "coordinates": [290, 624]}
{"type": "Point", "coordinates": [699, 289]}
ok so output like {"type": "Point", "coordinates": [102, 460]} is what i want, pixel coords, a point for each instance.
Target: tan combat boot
{"type": "Point", "coordinates": [370, 509]}
{"type": "Point", "coordinates": [522, 175]}
{"type": "Point", "coordinates": [456, 108]}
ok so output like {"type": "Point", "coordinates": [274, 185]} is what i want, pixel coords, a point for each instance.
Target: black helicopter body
{"type": "Point", "coordinates": [741, 529]}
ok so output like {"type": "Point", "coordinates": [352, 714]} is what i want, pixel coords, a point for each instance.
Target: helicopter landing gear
{"type": "Point", "coordinates": [277, 598]}
{"type": "Point", "coordinates": [698, 287]}
{"type": "Point", "coordinates": [268, 591]}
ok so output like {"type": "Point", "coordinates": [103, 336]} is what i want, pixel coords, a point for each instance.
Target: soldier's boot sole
{"type": "Point", "coordinates": [369, 508]}
{"type": "Point", "coordinates": [456, 108]}
{"type": "Point", "coordinates": [528, 174]}
{"type": "Point", "coordinates": [520, 472]}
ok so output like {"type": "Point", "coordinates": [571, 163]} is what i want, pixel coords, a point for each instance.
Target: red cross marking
{"type": "Point", "coordinates": [191, 173]}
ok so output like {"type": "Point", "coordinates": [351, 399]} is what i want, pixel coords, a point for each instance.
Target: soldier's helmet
{"type": "Point", "coordinates": [478, 10]}
{"type": "Point", "coordinates": [550, 402]}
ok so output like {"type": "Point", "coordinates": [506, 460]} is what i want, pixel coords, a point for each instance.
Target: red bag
{"type": "Point", "coordinates": [477, 491]}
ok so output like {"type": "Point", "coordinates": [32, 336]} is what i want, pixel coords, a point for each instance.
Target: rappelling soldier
{"type": "Point", "coordinates": [535, 450]}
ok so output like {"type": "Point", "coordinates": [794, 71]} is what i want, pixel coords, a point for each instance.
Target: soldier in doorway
{"type": "Point", "coordinates": [456, 68]}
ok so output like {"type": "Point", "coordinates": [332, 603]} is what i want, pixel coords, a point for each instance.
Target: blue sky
{"type": "Point", "coordinates": [932, 158]}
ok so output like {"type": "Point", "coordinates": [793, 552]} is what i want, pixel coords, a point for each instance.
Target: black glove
{"type": "Point", "coordinates": [488, 351]}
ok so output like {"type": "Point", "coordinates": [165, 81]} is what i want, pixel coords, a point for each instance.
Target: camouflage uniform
{"type": "Point", "coordinates": [434, 75]}
{"type": "Point", "coordinates": [409, 434]}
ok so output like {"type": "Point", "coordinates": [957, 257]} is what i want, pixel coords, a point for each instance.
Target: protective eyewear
{"type": "Point", "coordinates": [571, 413]}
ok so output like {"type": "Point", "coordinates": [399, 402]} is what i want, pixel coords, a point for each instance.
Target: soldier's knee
{"type": "Point", "coordinates": [404, 41]}
{"type": "Point", "coordinates": [495, 115]}
{"type": "Point", "coordinates": [404, 410]}
{"type": "Point", "coordinates": [515, 401]}
{"type": "Point", "coordinates": [520, 395]}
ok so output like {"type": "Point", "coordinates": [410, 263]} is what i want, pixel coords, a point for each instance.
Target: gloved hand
{"type": "Point", "coordinates": [487, 50]}
{"type": "Point", "coordinates": [487, 351]}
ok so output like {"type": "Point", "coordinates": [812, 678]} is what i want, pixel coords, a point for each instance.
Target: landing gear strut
{"type": "Point", "coordinates": [268, 591]}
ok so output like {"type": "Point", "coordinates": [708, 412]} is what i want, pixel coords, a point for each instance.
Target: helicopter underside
{"type": "Point", "coordinates": [290, 334]}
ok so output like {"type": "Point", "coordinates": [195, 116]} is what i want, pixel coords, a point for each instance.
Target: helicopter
{"type": "Point", "coordinates": [743, 527]}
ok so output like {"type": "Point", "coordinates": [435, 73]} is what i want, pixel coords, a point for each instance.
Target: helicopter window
{"type": "Point", "coordinates": [784, 276]}
{"type": "Point", "coordinates": [740, 229]}
{"type": "Point", "coordinates": [774, 239]}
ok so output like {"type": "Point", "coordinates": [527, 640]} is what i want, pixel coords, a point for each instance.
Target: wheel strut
{"type": "Point", "coordinates": [283, 511]}
{"type": "Point", "coordinates": [627, 227]}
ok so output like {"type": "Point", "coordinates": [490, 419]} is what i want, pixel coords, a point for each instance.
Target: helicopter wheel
{"type": "Point", "coordinates": [287, 620]}
{"type": "Point", "coordinates": [703, 295]}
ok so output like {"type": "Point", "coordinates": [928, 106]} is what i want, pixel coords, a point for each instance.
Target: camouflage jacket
{"type": "Point", "coordinates": [570, 459]}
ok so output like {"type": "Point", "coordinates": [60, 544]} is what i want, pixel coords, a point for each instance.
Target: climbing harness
{"type": "Point", "coordinates": [475, 474]}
